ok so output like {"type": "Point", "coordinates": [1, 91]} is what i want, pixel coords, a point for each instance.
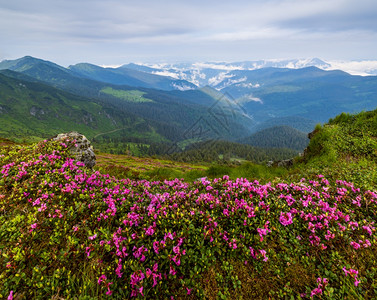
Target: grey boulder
{"type": "Point", "coordinates": [82, 150]}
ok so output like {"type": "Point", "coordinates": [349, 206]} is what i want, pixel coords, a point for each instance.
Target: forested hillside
{"type": "Point", "coordinates": [278, 137]}
{"type": "Point", "coordinates": [223, 151]}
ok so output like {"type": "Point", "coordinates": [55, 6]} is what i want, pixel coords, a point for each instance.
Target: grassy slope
{"type": "Point", "coordinates": [345, 148]}
{"type": "Point", "coordinates": [229, 238]}
{"type": "Point", "coordinates": [32, 111]}
{"type": "Point", "coordinates": [124, 166]}
{"type": "Point", "coordinates": [132, 96]}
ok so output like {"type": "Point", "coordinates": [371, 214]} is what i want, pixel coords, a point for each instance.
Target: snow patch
{"type": "Point", "coordinates": [182, 87]}
{"type": "Point", "coordinates": [213, 81]}
{"type": "Point", "coordinates": [249, 85]}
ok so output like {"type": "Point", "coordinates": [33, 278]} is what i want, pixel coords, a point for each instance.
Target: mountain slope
{"type": "Point", "coordinates": [163, 115]}
{"type": "Point", "coordinates": [172, 110]}
{"type": "Point", "coordinates": [344, 148]}
{"type": "Point", "coordinates": [286, 89]}
{"type": "Point", "coordinates": [27, 63]}
{"type": "Point", "coordinates": [66, 229]}
{"type": "Point", "coordinates": [278, 137]}
{"type": "Point", "coordinates": [51, 72]}
{"type": "Point", "coordinates": [29, 109]}
{"type": "Point", "coordinates": [299, 123]}
{"type": "Point", "coordinates": [346, 136]}
{"type": "Point", "coordinates": [307, 93]}
{"type": "Point", "coordinates": [125, 76]}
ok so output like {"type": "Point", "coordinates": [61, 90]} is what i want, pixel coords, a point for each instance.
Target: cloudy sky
{"type": "Point", "coordinates": [113, 32]}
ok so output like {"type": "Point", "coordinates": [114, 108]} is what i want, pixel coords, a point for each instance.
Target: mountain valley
{"type": "Point", "coordinates": [134, 107]}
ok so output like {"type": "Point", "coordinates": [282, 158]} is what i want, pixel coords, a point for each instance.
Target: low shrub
{"type": "Point", "coordinates": [66, 231]}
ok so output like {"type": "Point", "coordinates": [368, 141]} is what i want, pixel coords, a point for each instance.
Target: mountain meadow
{"type": "Point", "coordinates": [305, 232]}
{"type": "Point", "coordinates": [202, 189]}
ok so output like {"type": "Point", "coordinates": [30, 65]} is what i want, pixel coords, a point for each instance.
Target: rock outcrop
{"type": "Point", "coordinates": [82, 150]}
{"type": "Point", "coordinates": [281, 163]}
{"type": "Point", "coordinates": [285, 163]}
{"type": "Point", "coordinates": [311, 134]}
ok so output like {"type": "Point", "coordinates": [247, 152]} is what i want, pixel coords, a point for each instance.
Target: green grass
{"type": "Point", "coordinates": [131, 96]}
{"type": "Point", "coordinates": [125, 166]}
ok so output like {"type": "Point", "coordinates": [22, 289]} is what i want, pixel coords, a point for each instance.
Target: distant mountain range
{"type": "Point", "coordinates": [213, 73]}
{"type": "Point", "coordinates": [180, 103]}
{"type": "Point", "coordinates": [41, 69]}
{"type": "Point", "coordinates": [273, 89]}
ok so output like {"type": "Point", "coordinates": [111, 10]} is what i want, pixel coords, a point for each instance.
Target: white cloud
{"type": "Point", "coordinates": [217, 66]}
{"type": "Point", "coordinates": [252, 98]}
{"type": "Point", "coordinates": [110, 66]}
{"type": "Point", "coordinates": [195, 30]}
{"type": "Point", "coordinates": [363, 68]}
{"type": "Point", "coordinates": [167, 73]}
{"type": "Point", "coordinates": [249, 85]}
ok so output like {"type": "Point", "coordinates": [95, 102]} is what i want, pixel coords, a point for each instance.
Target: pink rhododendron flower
{"type": "Point", "coordinates": [366, 244]}
{"type": "Point", "coordinates": [353, 273]}
{"type": "Point", "coordinates": [10, 296]}
{"type": "Point", "coordinates": [101, 279]}
{"type": "Point", "coordinates": [355, 245]}
{"type": "Point", "coordinates": [263, 252]}
{"type": "Point", "coordinates": [172, 271]}
{"type": "Point", "coordinates": [285, 218]}
{"type": "Point", "coordinates": [92, 237]}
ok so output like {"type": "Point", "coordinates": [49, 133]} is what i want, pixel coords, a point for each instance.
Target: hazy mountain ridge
{"type": "Point", "coordinates": [125, 76]}
{"type": "Point", "coordinates": [210, 73]}
{"type": "Point", "coordinates": [46, 71]}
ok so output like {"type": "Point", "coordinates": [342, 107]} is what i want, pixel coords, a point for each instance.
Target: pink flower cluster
{"type": "Point", "coordinates": [353, 273]}
{"type": "Point", "coordinates": [322, 283]}
{"type": "Point", "coordinates": [129, 226]}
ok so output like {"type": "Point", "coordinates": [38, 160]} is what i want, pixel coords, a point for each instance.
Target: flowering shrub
{"type": "Point", "coordinates": [68, 231]}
